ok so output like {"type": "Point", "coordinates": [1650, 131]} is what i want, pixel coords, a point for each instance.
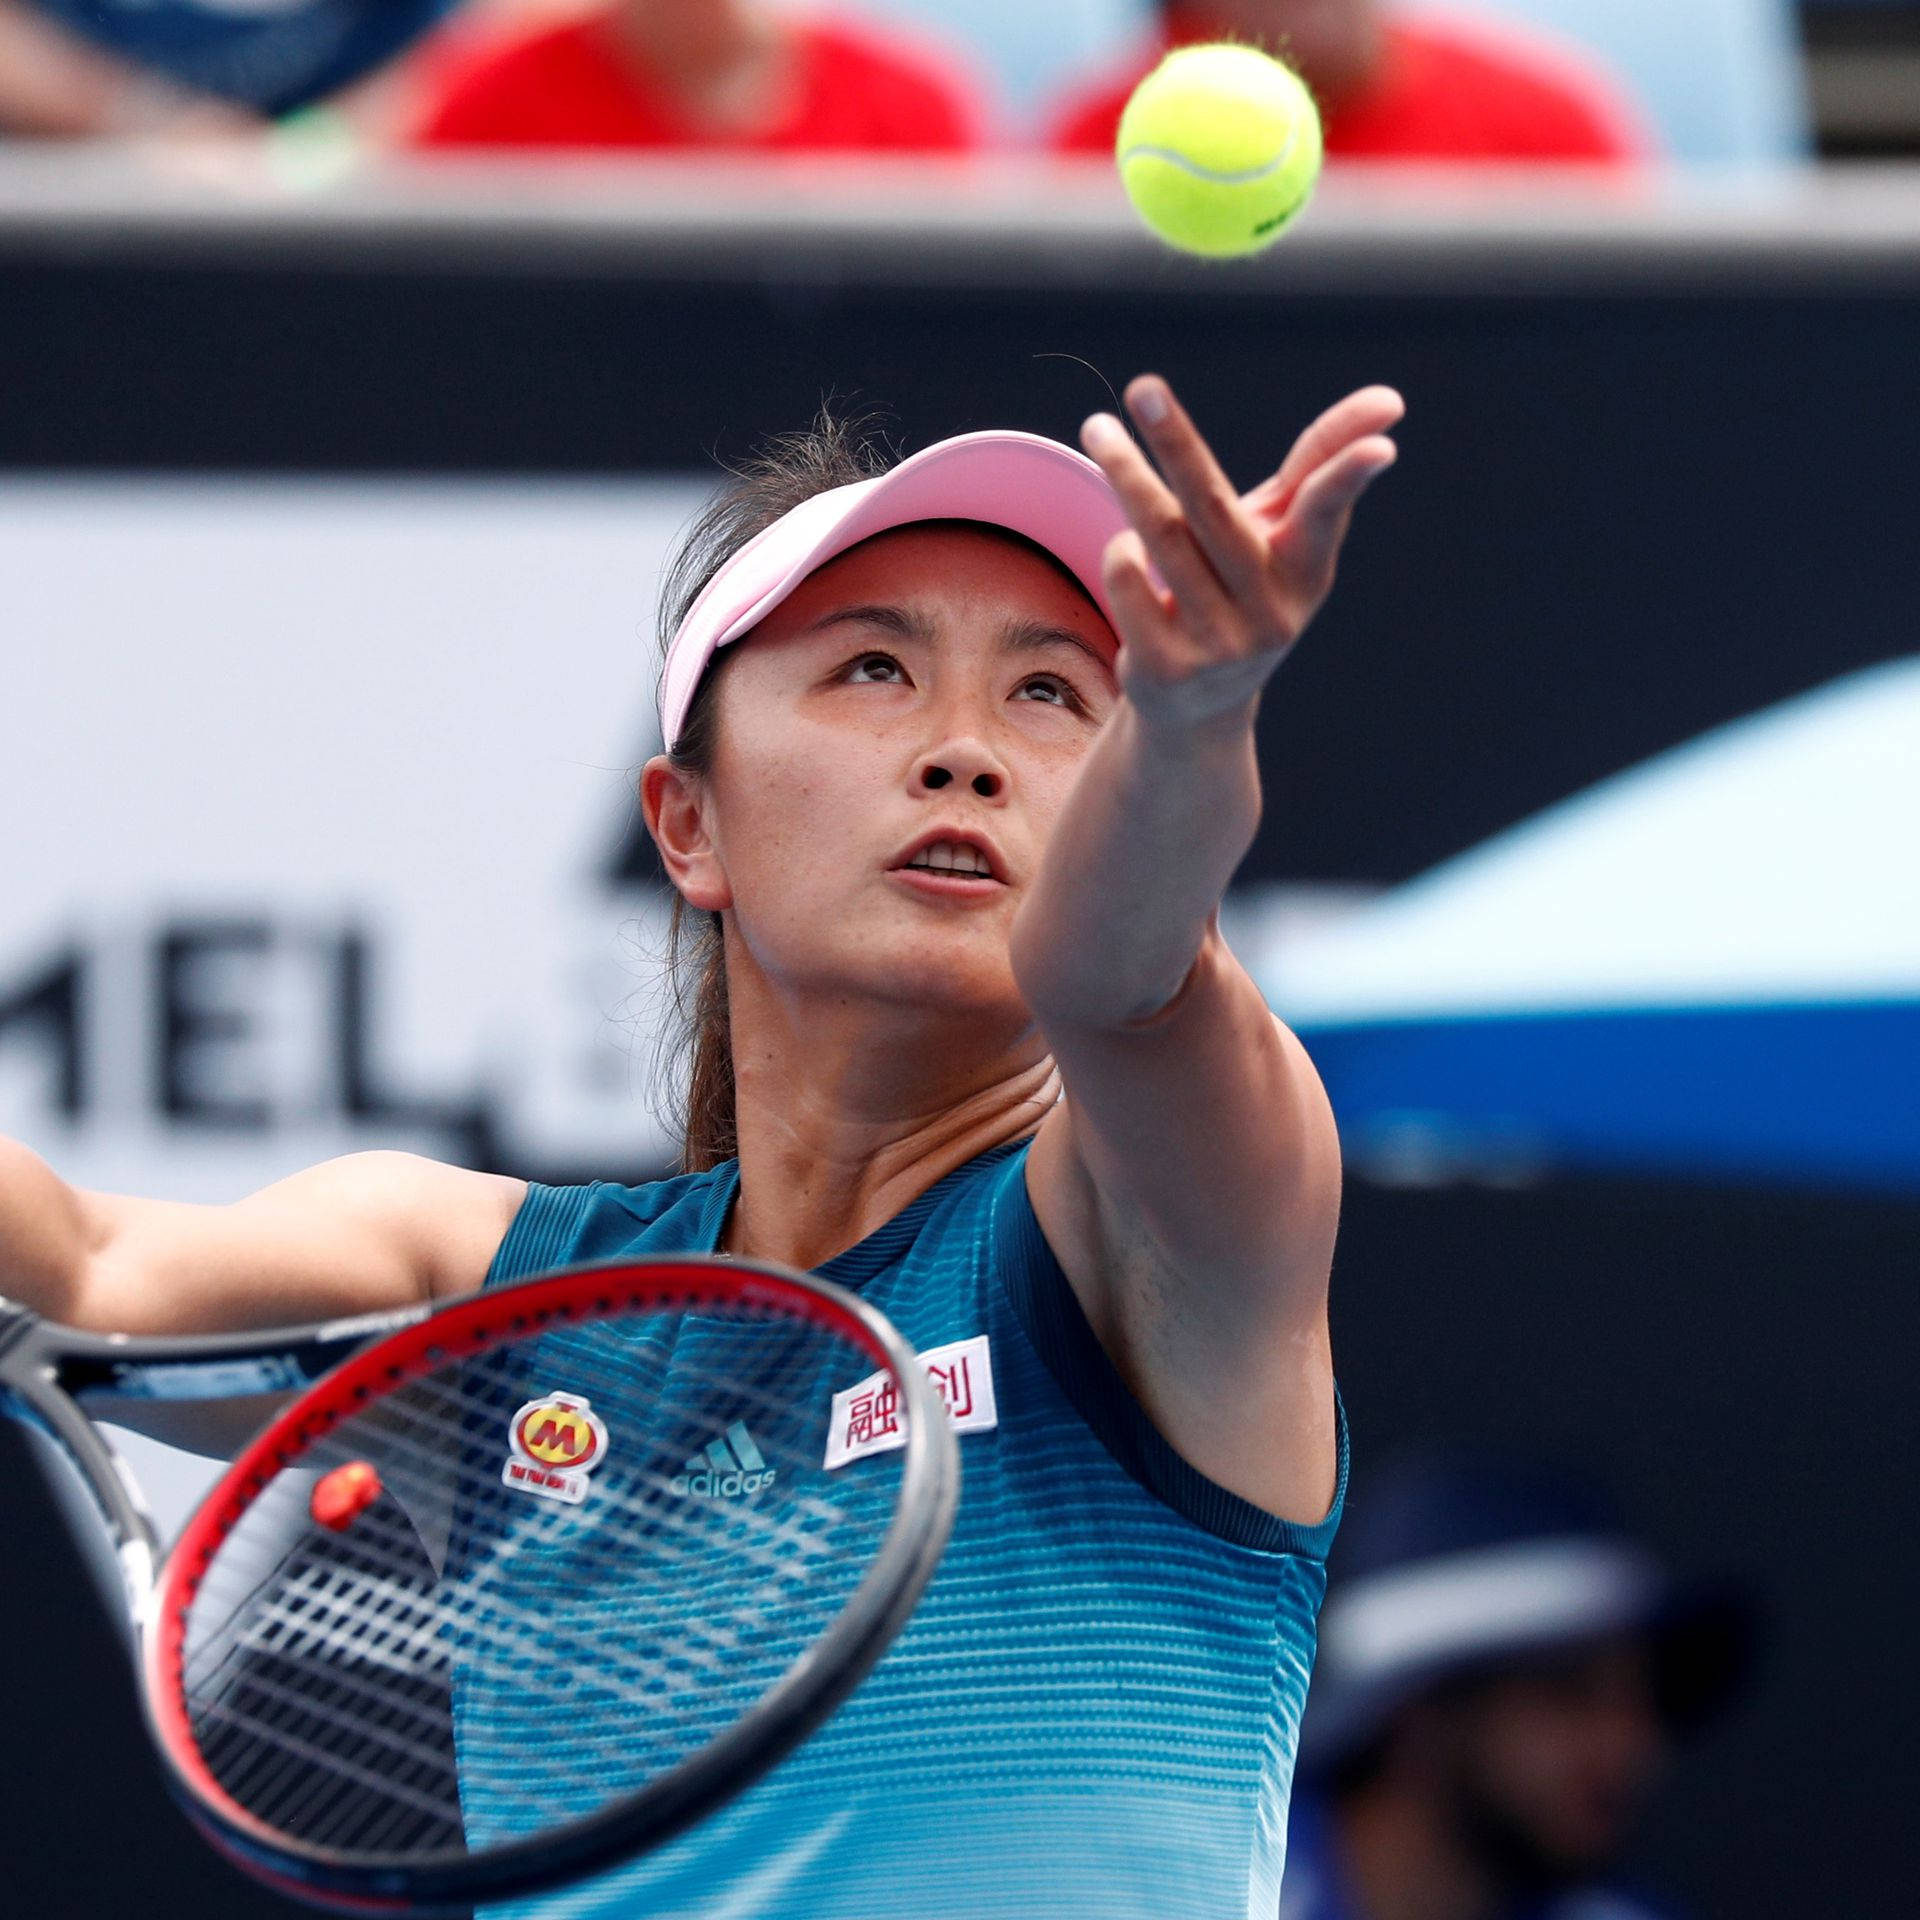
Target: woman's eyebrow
{"type": "Point", "coordinates": [1035, 636]}
{"type": "Point", "coordinates": [890, 619]}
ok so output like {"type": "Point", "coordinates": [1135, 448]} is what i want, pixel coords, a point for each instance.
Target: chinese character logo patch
{"type": "Point", "coordinates": [866, 1419]}
{"type": "Point", "coordinates": [556, 1442]}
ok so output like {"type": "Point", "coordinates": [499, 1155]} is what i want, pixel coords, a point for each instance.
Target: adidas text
{"type": "Point", "coordinates": [721, 1485]}
{"type": "Point", "coordinates": [726, 1468]}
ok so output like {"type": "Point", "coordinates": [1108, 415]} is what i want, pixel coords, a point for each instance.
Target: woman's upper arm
{"type": "Point", "coordinates": [1189, 1184]}
{"type": "Point", "coordinates": [1207, 1128]}
{"type": "Point", "coordinates": [361, 1234]}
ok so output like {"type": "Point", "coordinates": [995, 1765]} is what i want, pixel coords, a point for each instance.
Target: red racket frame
{"type": "Point", "coordinates": [465, 1328]}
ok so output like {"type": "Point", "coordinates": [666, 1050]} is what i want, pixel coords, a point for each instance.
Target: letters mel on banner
{"type": "Point", "coordinates": [279, 903]}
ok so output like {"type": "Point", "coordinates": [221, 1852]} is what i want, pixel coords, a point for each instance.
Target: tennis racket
{"type": "Point", "coordinates": [589, 1514]}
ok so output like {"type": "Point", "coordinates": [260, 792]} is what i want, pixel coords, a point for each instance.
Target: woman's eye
{"type": "Point", "coordinates": [1050, 689]}
{"type": "Point", "coordinates": [871, 667]}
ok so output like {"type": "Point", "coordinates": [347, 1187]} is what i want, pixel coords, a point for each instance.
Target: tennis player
{"type": "Point", "coordinates": [959, 761]}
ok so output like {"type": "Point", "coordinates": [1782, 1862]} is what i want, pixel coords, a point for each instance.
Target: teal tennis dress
{"type": "Point", "coordinates": [1094, 1710]}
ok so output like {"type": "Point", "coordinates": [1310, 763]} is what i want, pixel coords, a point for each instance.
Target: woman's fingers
{"type": "Point", "coordinates": [1162, 526]}
{"type": "Point", "coordinates": [1241, 577]}
{"type": "Point", "coordinates": [1149, 633]}
{"type": "Point", "coordinates": [1370, 411]}
{"type": "Point", "coordinates": [1309, 546]}
{"type": "Point", "coordinates": [1216, 521]}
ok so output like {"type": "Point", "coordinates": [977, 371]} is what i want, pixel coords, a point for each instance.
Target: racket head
{"type": "Point", "coordinates": [579, 1527]}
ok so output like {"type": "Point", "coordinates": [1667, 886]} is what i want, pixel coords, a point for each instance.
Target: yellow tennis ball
{"type": "Point", "coordinates": [1218, 149]}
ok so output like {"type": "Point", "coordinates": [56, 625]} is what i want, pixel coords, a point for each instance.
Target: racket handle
{"type": "Point", "coordinates": [15, 1322]}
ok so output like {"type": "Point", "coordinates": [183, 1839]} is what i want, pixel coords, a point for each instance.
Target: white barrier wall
{"type": "Point", "coordinates": [310, 797]}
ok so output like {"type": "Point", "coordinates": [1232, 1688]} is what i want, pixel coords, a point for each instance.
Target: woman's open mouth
{"type": "Point", "coordinates": [952, 867]}
{"type": "Point", "coordinates": [951, 856]}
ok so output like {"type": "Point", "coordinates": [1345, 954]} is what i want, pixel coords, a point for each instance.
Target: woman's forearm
{"type": "Point", "coordinates": [1208, 591]}
{"type": "Point", "coordinates": [1160, 817]}
{"type": "Point", "coordinates": [43, 1233]}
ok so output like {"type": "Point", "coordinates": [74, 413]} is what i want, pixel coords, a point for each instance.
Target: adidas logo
{"type": "Point", "coordinates": [730, 1466]}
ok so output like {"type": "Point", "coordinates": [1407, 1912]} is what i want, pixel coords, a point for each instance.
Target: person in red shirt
{"type": "Point", "coordinates": [1391, 88]}
{"type": "Point", "coordinates": [708, 74]}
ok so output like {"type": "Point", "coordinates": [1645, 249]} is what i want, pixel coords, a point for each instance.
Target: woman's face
{"type": "Point", "coordinates": [928, 696]}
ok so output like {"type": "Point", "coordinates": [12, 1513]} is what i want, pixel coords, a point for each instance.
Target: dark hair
{"type": "Point", "coordinates": [836, 452]}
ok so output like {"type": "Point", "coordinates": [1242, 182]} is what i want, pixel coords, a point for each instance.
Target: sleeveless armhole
{"type": "Point", "coordinates": [543, 1233]}
{"type": "Point", "coordinates": [1047, 1307]}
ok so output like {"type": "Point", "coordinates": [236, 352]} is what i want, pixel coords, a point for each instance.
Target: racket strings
{"type": "Point", "coordinates": [382, 1723]}
{"type": "Point", "coordinates": [468, 1662]}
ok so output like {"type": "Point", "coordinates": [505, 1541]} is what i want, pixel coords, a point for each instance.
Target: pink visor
{"type": "Point", "coordinates": [1058, 498]}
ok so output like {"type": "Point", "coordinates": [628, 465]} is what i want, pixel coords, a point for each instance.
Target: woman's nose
{"type": "Point", "coordinates": [962, 763]}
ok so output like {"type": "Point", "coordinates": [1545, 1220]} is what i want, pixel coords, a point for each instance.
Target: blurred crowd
{"type": "Point", "coordinates": [1505, 1673]}
{"type": "Point", "coordinates": [759, 76]}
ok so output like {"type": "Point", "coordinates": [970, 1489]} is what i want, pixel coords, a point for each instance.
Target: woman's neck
{"type": "Point", "coordinates": [728, 64]}
{"type": "Point", "coordinates": [845, 1114]}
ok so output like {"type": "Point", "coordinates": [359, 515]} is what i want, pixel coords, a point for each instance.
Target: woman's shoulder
{"type": "Point", "coordinates": [967, 1202]}
{"type": "Point", "coordinates": [563, 1226]}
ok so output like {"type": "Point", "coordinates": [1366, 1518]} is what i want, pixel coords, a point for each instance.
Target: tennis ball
{"type": "Point", "coordinates": [1218, 149]}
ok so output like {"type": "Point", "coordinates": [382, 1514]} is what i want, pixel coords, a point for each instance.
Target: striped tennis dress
{"type": "Point", "coordinates": [1094, 1710]}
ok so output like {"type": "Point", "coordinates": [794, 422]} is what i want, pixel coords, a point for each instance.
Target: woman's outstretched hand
{"type": "Point", "coordinates": [1239, 575]}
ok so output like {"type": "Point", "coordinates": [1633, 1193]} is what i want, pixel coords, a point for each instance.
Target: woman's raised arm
{"type": "Point", "coordinates": [1190, 1181]}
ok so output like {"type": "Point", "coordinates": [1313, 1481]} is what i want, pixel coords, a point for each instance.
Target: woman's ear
{"type": "Point", "coordinates": [674, 804]}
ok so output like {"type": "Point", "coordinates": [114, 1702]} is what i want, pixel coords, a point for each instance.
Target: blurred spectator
{"type": "Point", "coordinates": [55, 86]}
{"type": "Point", "coordinates": [1502, 1670]}
{"type": "Point", "coordinates": [704, 74]}
{"type": "Point", "coordinates": [1391, 88]}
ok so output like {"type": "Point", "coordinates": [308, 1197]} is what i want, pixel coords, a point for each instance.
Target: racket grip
{"type": "Point", "coordinates": [15, 1322]}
